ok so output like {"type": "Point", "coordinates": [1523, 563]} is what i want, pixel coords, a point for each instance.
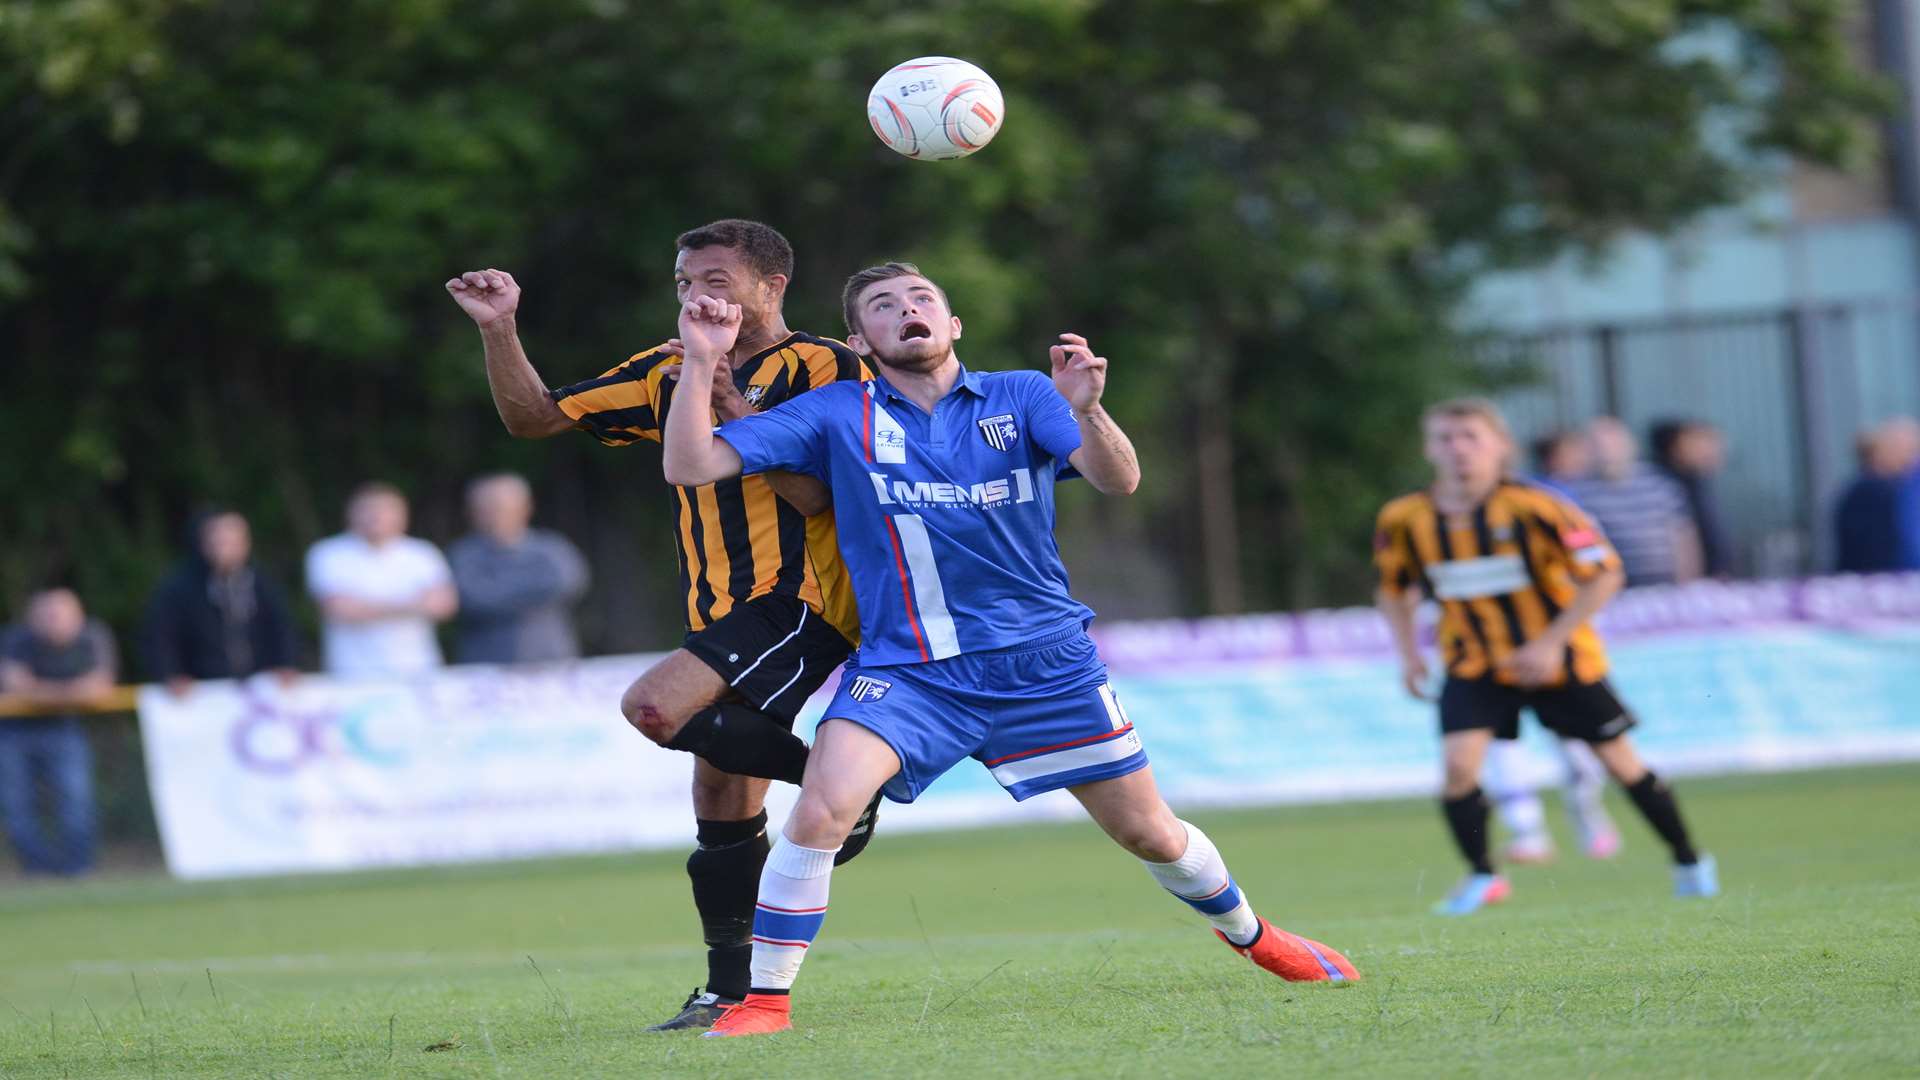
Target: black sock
{"type": "Point", "coordinates": [744, 741]}
{"type": "Point", "coordinates": [1467, 817]}
{"type": "Point", "coordinates": [1655, 800]}
{"type": "Point", "coordinates": [725, 869]}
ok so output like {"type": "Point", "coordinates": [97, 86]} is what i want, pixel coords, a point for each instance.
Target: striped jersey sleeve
{"type": "Point", "coordinates": [1573, 534]}
{"type": "Point", "coordinates": [619, 406]}
{"type": "Point", "coordinates": [1393, 553]}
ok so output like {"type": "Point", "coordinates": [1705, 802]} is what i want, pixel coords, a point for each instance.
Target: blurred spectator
{"type": "Point", "coordinates": [380, 591]}
{"type": "Point", "coordinates": [1877, 521]}
{"type": "Point", "coordinates": [1692, 453]}
{"type": "Point", "coordinates": [516, 583]}
{"type": "Point", "coordinates": [216, 616]}
{"type": "Point", "coordinates": [1561, 459]}
{"type": "Point", "coordinates": [1643, 512]}
{"type": "Point", "coordinates": [57, 659]}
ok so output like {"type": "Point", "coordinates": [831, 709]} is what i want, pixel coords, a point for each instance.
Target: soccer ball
{"type": "Point", "coordinates": [935, 107]}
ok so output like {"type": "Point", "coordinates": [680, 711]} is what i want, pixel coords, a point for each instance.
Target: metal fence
{"type": "Point", "coordinates": [1790, 388]}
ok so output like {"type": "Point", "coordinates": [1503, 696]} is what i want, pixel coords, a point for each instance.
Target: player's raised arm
{"type": "Point", "coordinates": [690, 454]}
{"type": "Point", "coordinates": [1106, 457]}
{"type": "Point", "coordinates": [492, 298]}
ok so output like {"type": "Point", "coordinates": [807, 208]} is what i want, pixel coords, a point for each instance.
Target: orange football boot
{"type": "Point", "coordinates": [759, 1014]}
{"type": "Point", "coordinates": [1292, 957]}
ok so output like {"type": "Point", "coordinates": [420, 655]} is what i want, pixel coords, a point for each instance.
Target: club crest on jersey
{"type": "Point", "coordinates": [868, 688]}
{"type": "Point", "coordinates": [754, 394]}
{"type": "Point", "coordinates": [1000, 431]}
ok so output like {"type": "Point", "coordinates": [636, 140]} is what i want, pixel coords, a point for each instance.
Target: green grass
{"type": "Point", "coordinates": [1033, 952]}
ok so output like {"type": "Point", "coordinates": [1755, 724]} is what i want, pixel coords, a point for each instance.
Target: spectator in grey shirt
{"type": "Point", "coordinates": [1641, 509]}
{"type": "Point", "coordinates": [517, 584]}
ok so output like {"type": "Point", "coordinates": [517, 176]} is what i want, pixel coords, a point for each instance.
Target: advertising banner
{"type": "Point", "coordinates": [487, 763]}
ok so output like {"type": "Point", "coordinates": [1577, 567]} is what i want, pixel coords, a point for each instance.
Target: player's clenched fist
{"type": "Point", "coordinates": [485, 295]}
{"type": "Point", "coordinates": [1080, 376]}
{"type": "Point", "coordinates": [708, 328]}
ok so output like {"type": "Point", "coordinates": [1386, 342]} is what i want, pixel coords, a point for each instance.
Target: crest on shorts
{"type": "Point", "coordinates": [1000, 431]}
{"type": "Point", "coordinates": [868, 688]}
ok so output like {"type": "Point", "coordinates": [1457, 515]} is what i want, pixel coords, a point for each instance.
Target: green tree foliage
{"type": "Point", "coordinates": [224, 225]}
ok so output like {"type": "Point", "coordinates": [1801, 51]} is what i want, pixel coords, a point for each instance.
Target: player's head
{"type": "Point", "coordinates": [899, 317]}
{"type": "Point", "coordinates": [1467, 441]}
{"type": "Point", "coordinates": [377, 512]}
{"type": "Point", "coordinates": [741, 262]}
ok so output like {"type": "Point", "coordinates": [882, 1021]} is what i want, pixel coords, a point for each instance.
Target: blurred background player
{"type": "Point", "coordinates": [769, 611]}
{"type": "Point", "coordinates": [517, 584]}
{"type": "Point", "coordinates": [1519, 573]}
{"type": "Point", "coordinates": [380, 591]}
{"type": "Point", "coordinates": [971, 645]}
{"type": "Point", "coordinates": [56, 658]}
{"type": "Point", "coordinates": [218, 615]}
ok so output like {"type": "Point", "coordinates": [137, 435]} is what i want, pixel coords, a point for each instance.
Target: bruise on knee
{"type": "Point", "coordinates": [650, 721]}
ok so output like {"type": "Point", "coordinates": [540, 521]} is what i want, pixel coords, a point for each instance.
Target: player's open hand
{"type": "Point", "coordinates": [708, 328]}
{"type": "Point", "coordinates": [1080, 376]}
{"type": "Point", "coordinates": [485, 295]}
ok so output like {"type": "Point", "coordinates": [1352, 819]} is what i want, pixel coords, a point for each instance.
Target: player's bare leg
{"type": "Point", "coordinates": [848, 767]}
{"type": "Point", "coordinates": [1185, 863]}
{"type": "Point", "coordinates": [730, 833]}
{"type": "Point", "coordinates": [1693, 874]}
{"type": "Point", "coordinates": [1465, 806]}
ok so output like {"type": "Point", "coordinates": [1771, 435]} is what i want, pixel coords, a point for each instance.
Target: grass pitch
{"type": "Point", "coordinates": [1034, 952]}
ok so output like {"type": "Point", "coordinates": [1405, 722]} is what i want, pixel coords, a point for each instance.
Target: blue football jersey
{"type": "Point", "coordinates": [946, 520]}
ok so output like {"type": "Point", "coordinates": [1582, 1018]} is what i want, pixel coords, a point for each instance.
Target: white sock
{"type": "Point", "coordinates": [792, 905]}
{"type": "Point", "coordinates": [1200, 878]}
{"type": "Point", "coordinates": [1504, 779]}
{"type": "Point", "coordinates": [1586, 788]}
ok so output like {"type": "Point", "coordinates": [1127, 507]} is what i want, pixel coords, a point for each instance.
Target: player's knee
{"type": "Point", "coordinates": [1461, 779]}
{"type": "Point", "coordinates": [1155, 838]}
{"type": "Point", "coordinates": [647, 717]}
{"type": "Point", "coordinates": [815, 823]}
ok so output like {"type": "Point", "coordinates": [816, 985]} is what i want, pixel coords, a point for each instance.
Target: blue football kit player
{"type": "Point", "coordinates": [971, 646]}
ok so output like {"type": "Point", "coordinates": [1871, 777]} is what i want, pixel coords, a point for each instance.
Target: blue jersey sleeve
{"type": "Point", "coordinates": [1050, 419]}
{"type": "Point", "coordinates": [790, 436]}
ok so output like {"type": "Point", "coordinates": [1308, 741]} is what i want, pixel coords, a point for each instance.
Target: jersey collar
{"type": "Point", "coordinates": [973, 381]}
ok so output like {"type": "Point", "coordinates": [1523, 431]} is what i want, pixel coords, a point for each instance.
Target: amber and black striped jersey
{"type": "Point", "coordinates": [736, 539]}
{"type": "Point", "coordinates": [1502, 573]}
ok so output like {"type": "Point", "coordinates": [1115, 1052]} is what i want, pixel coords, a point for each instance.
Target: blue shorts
{"type": "Point", "coordinates": [1040, 716]}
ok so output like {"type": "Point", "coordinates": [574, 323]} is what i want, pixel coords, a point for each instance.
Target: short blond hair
{"type": "Point", "coordinates": [1477, 408]}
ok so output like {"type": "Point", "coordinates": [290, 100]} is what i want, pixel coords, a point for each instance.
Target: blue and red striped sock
{"type": "Point", "coordinates": [792, 906]}
{"type": "Point", "coordinates": [1199, 877]}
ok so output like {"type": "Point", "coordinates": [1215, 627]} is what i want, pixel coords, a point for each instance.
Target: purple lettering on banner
{"type": "Point", "coordinates": [1843, 602]}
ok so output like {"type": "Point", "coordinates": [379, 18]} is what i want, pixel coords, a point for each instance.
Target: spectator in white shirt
{"type": "Point", "coordinates": [380, 591]}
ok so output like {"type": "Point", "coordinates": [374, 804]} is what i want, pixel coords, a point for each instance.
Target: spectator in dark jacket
{"type": "Point", "coordinates": [1692, 453]}
{"type": "Point", "coordinates": [216, 616]}
{"type": "Point", "coordinates": [1873, 522]}
{"type": "Point", "coordinates": [517, 584]}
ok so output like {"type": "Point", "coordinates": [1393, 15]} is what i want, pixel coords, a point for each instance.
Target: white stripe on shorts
{"type": "Point", "coordinates": [776, 648]}
{"type": "Point", "coordinates": [1041, 766]}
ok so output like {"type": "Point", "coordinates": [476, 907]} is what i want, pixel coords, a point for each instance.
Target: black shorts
{"type": "Point", "coordinates": [774, 651]}
{"type": "Point", "coordinates": [1586, 711]}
